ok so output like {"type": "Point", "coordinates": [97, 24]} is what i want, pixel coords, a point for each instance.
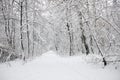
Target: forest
{"type": "Point", "coordinates": [29, 28]}
{"type": "Point", "coordinates": [59, 39]}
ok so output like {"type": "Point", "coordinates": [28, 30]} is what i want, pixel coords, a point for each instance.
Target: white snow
{"type": "Point", "coordinates": [50, 66]}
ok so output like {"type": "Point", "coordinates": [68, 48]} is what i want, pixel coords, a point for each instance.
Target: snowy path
{"type": "Point", "coordinates": [52, 67]}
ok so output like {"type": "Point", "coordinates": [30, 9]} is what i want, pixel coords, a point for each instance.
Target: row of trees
{"type": "Point", "coordinates": [66, 26]}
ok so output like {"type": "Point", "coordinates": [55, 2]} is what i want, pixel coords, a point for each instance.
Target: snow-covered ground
{"type": "Point", "coordinates": [50, 66]}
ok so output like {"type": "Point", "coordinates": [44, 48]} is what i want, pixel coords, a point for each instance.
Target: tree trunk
{"type": "Point", "coordinates": [28, 38]}
{"type": "Point", "coordinates": [21, 29]}
{"type": "Point", "coordinates": [83, 37]}
{"type": "Point", "coordinates": [70, 40]}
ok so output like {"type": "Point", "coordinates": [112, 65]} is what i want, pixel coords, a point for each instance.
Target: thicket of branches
{"type": "Point", "coordinates": [70, 27]}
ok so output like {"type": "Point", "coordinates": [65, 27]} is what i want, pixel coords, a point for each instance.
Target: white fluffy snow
{"type": "Point", "coordinates": [50, 66]}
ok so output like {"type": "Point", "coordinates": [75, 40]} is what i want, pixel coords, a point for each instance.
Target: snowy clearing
{"type": "Point", "coordinates": [50, 66]}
